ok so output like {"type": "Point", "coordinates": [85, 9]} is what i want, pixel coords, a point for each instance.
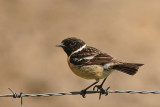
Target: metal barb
{"type": "Point", "coordinates": [16, 95]}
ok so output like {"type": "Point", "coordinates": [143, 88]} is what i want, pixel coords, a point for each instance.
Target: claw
{"type": "Point", "coordinates": [94, 87]}
{"type": "Point", "coordinates": [106, 91]}
{"type": "Point", "coordinates": [97, 86]}
{"type": "Point", "coordinates": [83, 93]}
{"type": "Point", "coordinates": [101, 90]}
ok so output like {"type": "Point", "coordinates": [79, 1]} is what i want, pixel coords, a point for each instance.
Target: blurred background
{"type": "Point", "coordinates": [129, 30]}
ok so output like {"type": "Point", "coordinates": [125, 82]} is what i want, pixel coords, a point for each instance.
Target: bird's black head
{"type": "Point", "coordinates": [71, 45]}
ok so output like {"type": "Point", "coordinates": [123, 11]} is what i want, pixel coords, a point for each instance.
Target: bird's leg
{"type": "Point", "coordinates": [83, 92]}
{"type": "Point", "coordinates": [100, 89]}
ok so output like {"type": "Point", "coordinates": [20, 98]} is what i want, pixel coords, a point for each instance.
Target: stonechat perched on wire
{"type": "Point", "coordinates": [90, 63]}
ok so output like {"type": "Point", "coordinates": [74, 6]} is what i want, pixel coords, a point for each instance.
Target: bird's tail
{"type": "Point", "coordinates": [129, 68]}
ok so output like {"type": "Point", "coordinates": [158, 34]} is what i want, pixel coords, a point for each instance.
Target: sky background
{"type": "Point", "coordinates": [129, 30]}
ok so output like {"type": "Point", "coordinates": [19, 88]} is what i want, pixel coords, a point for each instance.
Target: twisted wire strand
{"type": "Point", "coordinates": [21, 95]}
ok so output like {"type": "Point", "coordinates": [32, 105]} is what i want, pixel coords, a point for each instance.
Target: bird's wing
{"type": "Point", "coordinates": [100, 59]}
{"type": "Point", "coordinates": [90, 56]}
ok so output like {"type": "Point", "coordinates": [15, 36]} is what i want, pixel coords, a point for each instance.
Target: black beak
{"type": "Point", "coordinates": [60, 45]}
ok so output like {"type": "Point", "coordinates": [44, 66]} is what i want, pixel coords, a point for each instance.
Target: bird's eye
{"type": "Point", "coordinates": [72, 44]}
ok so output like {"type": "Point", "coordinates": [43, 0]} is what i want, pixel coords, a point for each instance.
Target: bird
{"type": "Point", "coordinates": [90, 63]}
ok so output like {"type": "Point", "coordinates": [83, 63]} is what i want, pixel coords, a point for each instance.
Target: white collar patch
{"type": "Point", "coordinates": [81, 48]}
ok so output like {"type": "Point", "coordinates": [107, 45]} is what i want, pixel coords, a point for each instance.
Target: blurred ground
{"type": "Point", "coordinates": [30, 62]}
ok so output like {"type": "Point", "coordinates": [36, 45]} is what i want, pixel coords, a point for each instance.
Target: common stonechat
{"type": "Point", "coordinates": [90, 63]}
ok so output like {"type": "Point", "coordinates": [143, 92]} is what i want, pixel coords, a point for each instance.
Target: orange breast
{"type": "Point", "coordinates": [89, 71]}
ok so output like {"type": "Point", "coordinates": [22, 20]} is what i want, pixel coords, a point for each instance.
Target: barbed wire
{"type": "Point", "coordinates": [21, 94]}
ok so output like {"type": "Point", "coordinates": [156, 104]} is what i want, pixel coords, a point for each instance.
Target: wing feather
{"type": "Point", "coordinates": [90, 56]}
{"type": "Point", "coordinates": [100, 59]}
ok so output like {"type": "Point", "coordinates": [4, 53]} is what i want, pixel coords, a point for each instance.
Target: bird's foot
{"type": "Point", "coordinates": [83, 93]}
{"type": "Point", "coordinates": [101, 90]}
